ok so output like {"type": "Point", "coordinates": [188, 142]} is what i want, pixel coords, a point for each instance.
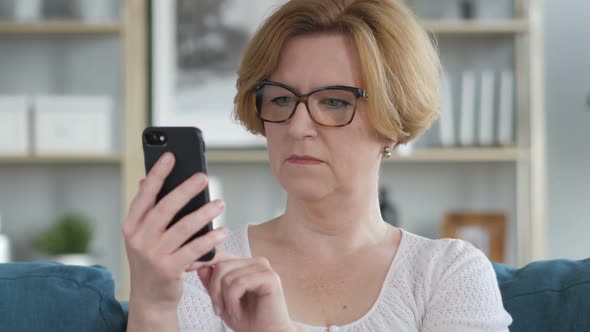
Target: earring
{"type": "Point", "coordinates": [387, 152]}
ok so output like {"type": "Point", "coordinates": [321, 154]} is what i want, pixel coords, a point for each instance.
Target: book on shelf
{"type": "Point", "coordinates": [467, 125]}
{"type": "Point", "coordinates": [506, 108]}
{"type": "Point", "coordinates": [486, 109]}
{"type": "Point", "coordinates": [447, 118]}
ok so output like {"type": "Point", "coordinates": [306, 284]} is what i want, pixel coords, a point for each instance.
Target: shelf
{"type": "Point", "coordinates": [59, 28]}
{"type": "Point", "coordinates": [507, 154]}
{"type": "Point", "coordinates": [81, 28]}
{"type": "Point", "coordinates": [61, 159]}
{"type": "Point", "coordinates": [476, 27]}
{"type": "Point", "coordinates": [427, 155]}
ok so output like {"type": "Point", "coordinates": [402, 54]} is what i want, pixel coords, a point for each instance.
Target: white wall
{"type": "Point", "coordinates": [567, 88]}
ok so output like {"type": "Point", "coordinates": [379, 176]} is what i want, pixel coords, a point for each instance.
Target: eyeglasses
{"type": "Point", "coordinates": [331, 106]}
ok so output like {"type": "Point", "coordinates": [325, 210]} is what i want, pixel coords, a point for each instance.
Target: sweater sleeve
{"type": "Point", "coordinates": [465, 296]}
{"type": "Point", "coordinates": [195, 311]}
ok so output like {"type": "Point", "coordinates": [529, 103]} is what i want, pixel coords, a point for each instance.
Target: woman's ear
{"type": "Point", "coordinates": [391, 143]}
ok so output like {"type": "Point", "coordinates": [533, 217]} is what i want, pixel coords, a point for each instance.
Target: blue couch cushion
{"type": "Point", "coordinates": [49, 296]}
{"type": "Point", "coordinates": [552, 295]}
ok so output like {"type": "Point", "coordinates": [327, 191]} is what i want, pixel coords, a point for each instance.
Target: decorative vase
{"type": "Point", "coordinates": [5, 254]}
{"type": "Point", "coordinates": [75, 259]}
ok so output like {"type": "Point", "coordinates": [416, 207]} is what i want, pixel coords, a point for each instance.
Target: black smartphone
{"type": "Point", "coordinates": [188, 147]}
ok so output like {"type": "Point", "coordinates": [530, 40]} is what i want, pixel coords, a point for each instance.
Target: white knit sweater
{"type": "Point", "coordinates": [431, 285]}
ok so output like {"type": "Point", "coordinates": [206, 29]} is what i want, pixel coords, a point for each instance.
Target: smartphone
{"type": "Point", "coordinates": [188, 147]}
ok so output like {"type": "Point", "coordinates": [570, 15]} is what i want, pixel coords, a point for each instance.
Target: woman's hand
{"type": "Point", "coordinates": [157, 261]}
{"type": "Point", "coordinates": [246, 293]}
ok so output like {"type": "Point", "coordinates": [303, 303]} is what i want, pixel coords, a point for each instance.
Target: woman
{"type": "Point", "coordinates": [333, 85]}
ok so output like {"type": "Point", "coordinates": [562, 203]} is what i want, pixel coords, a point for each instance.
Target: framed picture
{"type": "Point", "coordinates": [486, 231]}
{"type": "Point", "coordinates": [196, 48]}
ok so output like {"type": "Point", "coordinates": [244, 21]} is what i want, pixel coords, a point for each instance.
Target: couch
{"type": "Point", "coordinates": [552, 295]}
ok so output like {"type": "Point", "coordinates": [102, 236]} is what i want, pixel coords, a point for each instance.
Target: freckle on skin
{"type": "Point", "coordinates": [345, 307]}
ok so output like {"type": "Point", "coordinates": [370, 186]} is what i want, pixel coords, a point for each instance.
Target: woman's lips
{"type": "Point", "coordinates": [303, 160]}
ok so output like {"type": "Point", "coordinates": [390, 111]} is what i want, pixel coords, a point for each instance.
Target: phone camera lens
{"type": "Point", "coordinates": [151, 138]}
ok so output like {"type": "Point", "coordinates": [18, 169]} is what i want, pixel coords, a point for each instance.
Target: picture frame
{"type": "Point", "coordinates": [195, 50]}
{"type": "Point", "coordinates": [486, 231]}
{"type": "Point", "coordinates": [467, 118]}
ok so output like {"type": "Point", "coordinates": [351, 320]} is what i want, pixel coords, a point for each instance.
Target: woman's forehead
{"type": "Point", "coordinates": [311, 61]}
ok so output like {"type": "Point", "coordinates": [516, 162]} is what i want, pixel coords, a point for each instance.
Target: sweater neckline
{"type": "Point", "coordinates": [387, 282]}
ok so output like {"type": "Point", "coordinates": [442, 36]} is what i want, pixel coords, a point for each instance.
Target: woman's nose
{"type": "Point", "coordinates": [301, 124]}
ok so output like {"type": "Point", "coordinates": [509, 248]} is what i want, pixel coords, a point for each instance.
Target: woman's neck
{"type": "Point", "coordinates": [332, 226]}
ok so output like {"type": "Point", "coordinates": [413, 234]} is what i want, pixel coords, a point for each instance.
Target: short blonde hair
{"type": "Point", "coordinates": [400, 64]}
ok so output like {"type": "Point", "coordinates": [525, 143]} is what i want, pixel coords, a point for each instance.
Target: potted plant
{"type": "Point", "coordinates": [68, 240]}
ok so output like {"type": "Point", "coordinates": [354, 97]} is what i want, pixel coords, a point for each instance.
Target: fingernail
{"type": "Point", "coordinates": [219, 204]}
{"type": "Point", "coordinates": [166, 158]}
{"type": "Point", "coordinates": [216, 310]}
{"type": "Point", "coordinates": [198, 178]}
{"type": "Point", "coordinates": [222, 232]}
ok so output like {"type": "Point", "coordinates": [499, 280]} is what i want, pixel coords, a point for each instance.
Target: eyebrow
{"type": "Point", "coordinates": [312, 89]}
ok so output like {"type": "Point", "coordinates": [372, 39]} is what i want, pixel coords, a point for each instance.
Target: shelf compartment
{"type": "Point", "coordinates": [59, 28]}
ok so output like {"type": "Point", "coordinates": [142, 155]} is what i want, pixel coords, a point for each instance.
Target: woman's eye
{"type": "Point", "coordinates": [283, 101]}
{"type": "Point", "coordinates": [335, 103]}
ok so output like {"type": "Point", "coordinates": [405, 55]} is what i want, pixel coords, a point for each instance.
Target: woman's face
{"type": "Point", "coordinates": [345, 159]}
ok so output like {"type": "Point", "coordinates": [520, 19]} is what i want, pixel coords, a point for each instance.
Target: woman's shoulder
{"type": "Point", "coordinates": [454, 284]}
{"type": "Point", "coordinates": [437, 258]}
{"type": "Point", "coordinates": [439, 251]}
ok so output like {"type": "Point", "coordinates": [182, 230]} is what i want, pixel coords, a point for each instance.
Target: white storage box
{"type": "Point", "coordinates": [14, 125]}
{"type": "Point", "coordinates": [73, 124]}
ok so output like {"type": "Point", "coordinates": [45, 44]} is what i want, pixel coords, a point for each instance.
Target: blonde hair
{"type": "Point", "coordinates": [400, 64]}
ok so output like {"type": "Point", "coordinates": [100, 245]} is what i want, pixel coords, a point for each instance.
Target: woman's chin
{"type": "Point", "coordinates": [305, 189]}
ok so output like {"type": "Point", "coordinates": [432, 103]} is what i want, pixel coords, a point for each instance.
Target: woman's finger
{"type": "Point", "coordinates": [190, 224]}
{"type": "Point", "coordinates": [164, 211]}
{"type": "Point", "coordinates": [225, 267]}
{"type": "Point", "coordinates": [189, 253]}
{"type": "Point", "coordinates": [214, 287]}
{"type": "Point", "coordinates": [220, 255]}
{"type": "Point", "coordinates": [236, 283]}
{"type": "Point", "coordinates": [146, 196]}
{"type": "Point", "coordinates": [204, 273]}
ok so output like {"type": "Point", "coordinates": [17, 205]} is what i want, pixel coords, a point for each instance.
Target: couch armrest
{"type": "Point", "coordinates": [49, 296]}
{"type": "Point", "coordinates": [551, 295]}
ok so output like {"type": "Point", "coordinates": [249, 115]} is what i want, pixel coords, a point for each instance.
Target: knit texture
{"type": "Point", "coordinates": [431, 285]}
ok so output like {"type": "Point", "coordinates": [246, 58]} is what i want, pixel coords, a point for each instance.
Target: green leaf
{"type": "Point", "coordinates": [70, 234]}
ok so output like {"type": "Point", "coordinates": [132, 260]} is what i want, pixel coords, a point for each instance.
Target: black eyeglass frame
{"type": "Point", "coordinates": [358, 92]}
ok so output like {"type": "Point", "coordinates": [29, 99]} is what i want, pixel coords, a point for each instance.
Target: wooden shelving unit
{"type": "Point", "coordinates": [84, 52]}
{"type": "Point", "coordinates": [133, 33]}
{"type": "Point", "coordinates": [59, 28]}
{"type": "Point", "coordinates": [62, 159]}
{"type": "Point", "coordinates": [483, 155]}
{"type": "Point", "coordinates": [524, 158]}
{"type": "Point", "coordinates": [231, 156]}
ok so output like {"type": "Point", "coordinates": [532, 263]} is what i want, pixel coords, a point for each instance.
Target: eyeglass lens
{"type": "Point", "coordinates": [331, 107]}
